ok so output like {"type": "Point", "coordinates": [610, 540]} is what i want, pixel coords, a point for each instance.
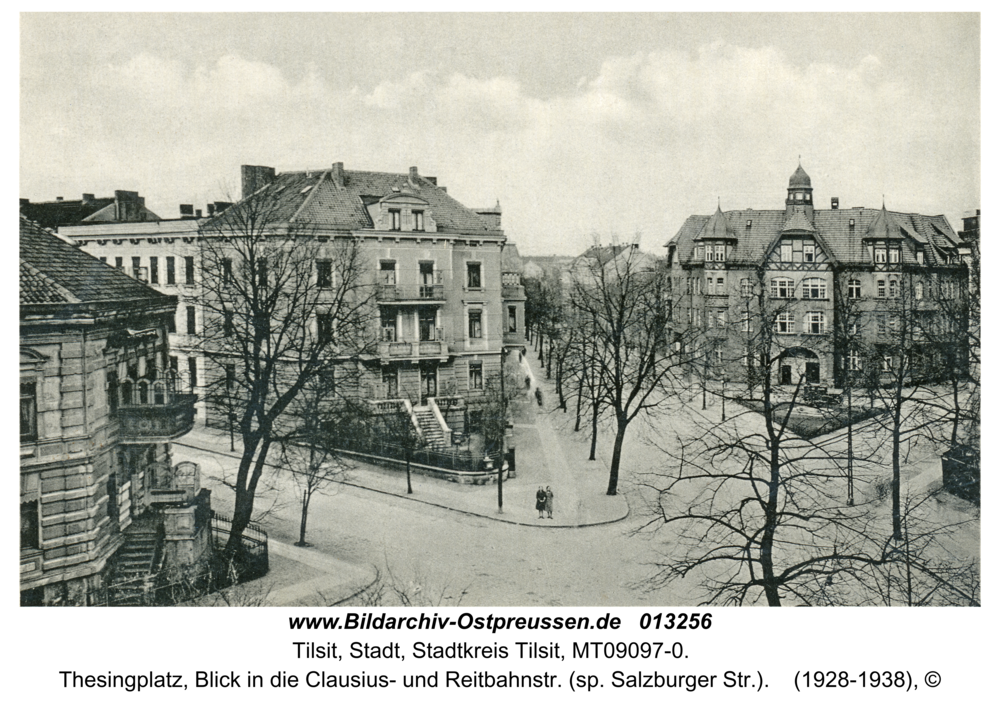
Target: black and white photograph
{"type": "Point", "coordinates": [463, 310]}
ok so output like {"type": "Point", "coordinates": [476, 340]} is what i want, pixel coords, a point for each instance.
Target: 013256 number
{"type": "Point", "coordinates": [675, 621]}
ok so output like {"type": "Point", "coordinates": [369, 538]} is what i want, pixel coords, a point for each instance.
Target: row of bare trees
{"type": "Point", "coordinates": [754, 505]}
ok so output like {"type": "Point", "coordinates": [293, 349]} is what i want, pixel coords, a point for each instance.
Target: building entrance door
{"type": "Point", "coordinates": [428, 382]}
{"type": "Point", "coordinates": [812, 373]}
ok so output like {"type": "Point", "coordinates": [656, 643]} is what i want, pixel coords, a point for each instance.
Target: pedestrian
{"type": "Point", "coordinates": [538, 396]}
{"type": "Point", "coordinates": [548, 500]}
{"type": "Point", "coordinates": [540, 499]}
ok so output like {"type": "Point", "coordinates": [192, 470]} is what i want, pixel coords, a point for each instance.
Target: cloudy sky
{"type": "Point", "coordinates": [580, 125]}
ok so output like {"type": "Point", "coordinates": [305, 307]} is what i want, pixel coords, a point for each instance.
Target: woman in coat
{"type": "Point", "coordinates": [540, 500]}
{"type": "Point", "coordinates": [548, 500]}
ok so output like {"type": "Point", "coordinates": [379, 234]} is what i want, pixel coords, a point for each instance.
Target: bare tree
{"type": "Point", "coordinates": [278, 305]}
{"type": "Point", "coordinates": [622, 292]}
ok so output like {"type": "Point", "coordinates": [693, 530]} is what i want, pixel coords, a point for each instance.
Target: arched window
{"type": "Point", "coordinates": [782, 288]}
{"type": "Point", "coordinates": [814, 288]}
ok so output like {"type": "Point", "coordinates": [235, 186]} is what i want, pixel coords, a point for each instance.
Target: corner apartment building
{"type": "Point", "coordinates": [841, 288]}
{"type": "Point", "coordinates": [447, 283]}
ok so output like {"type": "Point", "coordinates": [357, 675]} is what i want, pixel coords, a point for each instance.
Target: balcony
{"type": "Point", "coordinates": [152, 423]}
{"type": "Point", "coordinates": [413, 294]}
{"type": "Point", "coordinates": [396, 350]}
{"type": "Point", "coordinates": [512, 292]}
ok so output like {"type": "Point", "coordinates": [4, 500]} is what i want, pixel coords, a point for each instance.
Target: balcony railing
{"type": "Point", "coordinates": [412, 349]}
{"type": "Point", "coordinates": [149, 423]}
{"type": "Point", "coordinates": [388, 293]}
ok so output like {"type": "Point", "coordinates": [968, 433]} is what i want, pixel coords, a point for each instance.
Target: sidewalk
{"type": "Point", "coordinates": [545, 456]}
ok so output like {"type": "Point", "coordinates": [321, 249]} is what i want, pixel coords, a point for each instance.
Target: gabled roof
{"type": "Point", "coordinates": [832, 230]}
{"type": "Point", "coordinates": [797, 222]}
{"type": "Point", "coordinates": [313, 198]}
{"type": "Point", "coordinates": [54, 272]}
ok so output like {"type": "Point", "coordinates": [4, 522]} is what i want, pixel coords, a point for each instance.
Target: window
{"type": "Point", "coordinates": [815, 323]}
{"type": "Point", "coordinates": [696, 313]}
{"type": "Point", "coordinates": [880, 254]}
{"type": "Point", "coordinates": [227, 271]}
{"type": "Point", "coordinates": [808, 251]}
{"type": "Point", "coordinates": [690, 286]}
{"type": "Point", "coordinates": [227, 322]}
{"type": "Point", "coordinates": [388, 321]}
{"type": "Point", "coordinates": [894, 254]}
{"type": "Point", "coordinates": [720, 318]}
{"type": "Point", "coordinates": [190, 320]}
{"type": "Point", "coordinates": [189, 269]}
{"type": "Point", "coordinates": [718, 356]}
{"type": "Point", "coordinates": [390, 383]}
{"type": "Point", "coordinates": [699, 252]}
{"type": "Point", "coordinates": [324, 274]}
{"type": "Point", "coordinates": [887, 363]}
{"type": "Point", "coordinates": [475, 323]}
{"type": "Point", "coordinates": [418, 220]}
{"type": "Point", "coordinates": [786, 252]}
{"type": "Point", "coordinates": [512, 319]}
{"type": "Point", "coordinates": [853, 360]}
{"type": "Point", "coordinates": [710, 285]}
{"type": "Point", "coordinates": [262, 272]}
{"type": "Point", "coordinates": [193, 372]}
{"type": "Point", "coordinates": [171, 274]}
{"type": "Point", "coordinates": [717, 285]}
{"type": "Point", "coordinates": [104, 260]}
{"type": "Point", "coordinates": [119, 263]}
{"type": "Point", "coordinates": [893, 288]}
{"type": "Point", "coordinates": [324, 327]}
{"type": "Point", "coordinates": [475, 376]}
{"type": "Point", "coordinates": [173, 363]}
{"type": "Point", "coordinates": [880, 288]}
{"type": "Point", "coordinates": [475, 279]}
{"type": "Point", "coordinates": [154, 270]}
{"type": "Point", "coordinates": [854, 289]}
{"type": "Point", "coordinates": [920, 256]}
{"type": "Point", "coordinates": [699, 285]}
{"type": "Point", "coordinates": [784, 322]}
{"type": "Point", "coordinates": [746, 289]}
{"type": "Point", "coordinates": [814, 288]}
{"type": "Point", "coordinates": [394, 217]}
{"type": "Point", "coordinates": [29, 525]}
{"type": "Point", "coordinates": [230, 375]}
{"type": "Point", "coordinates": [427, 323]}
{"type": "Point", "coordinates": [880, 326]}
{"type": "Point", "coordinates": [137, 267]}
{"type": "Point", "coordinates": [112, 390]}
{"type": "Point", "coordinates": [782, 288]}
{"type": "Point", "coordinates": [745, 322]}
{"type": "Point", "coordinates": [29, 412]}
{"type": "Point", "coordinates": [387, 273]}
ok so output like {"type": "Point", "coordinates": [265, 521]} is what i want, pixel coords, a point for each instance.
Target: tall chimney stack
{"type": "Point", "coordinates": [254, 178]}
{"type": "Point", "coordinates": [337, 174]}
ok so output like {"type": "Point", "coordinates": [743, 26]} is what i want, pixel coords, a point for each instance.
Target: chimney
{"type": "Point", "coordinates": [413, 177]}
{"type": "Point", "coordinates": [87, 198]}
{"type": "Point", "coordinates": [211, 210]}
{"type": "Point", "coordinates": [221, 206]}
{"type": "Point", "coordinates": [59, 198]}
{"type": "Point", "coordinates": [254, 178]}
{"type": "Point", "coordinates": [128, 206]}
{"type": "Point", "coordinates": [187, 210]}
{"type": "Point", "coordinates": [197, 214]}
{"type": "Point", "coordinates": [834, 203]}
{"type": "Point", "coordinates": [337, 174]}
{"type": "Point", "coordinates": [491, 216]}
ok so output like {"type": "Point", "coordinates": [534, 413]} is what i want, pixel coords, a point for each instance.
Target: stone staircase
{"type": "Point", "coordinates": [429, 427]}
{"type": "Point", "coordinates": [135, 563]}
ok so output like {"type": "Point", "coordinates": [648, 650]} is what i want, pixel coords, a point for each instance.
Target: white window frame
{"type": "Point", "coordinates": [779, 284]}
{"type": "Point", "coordinates": [815, 323]}
{"type": "Point", "coordinates": [814, 285]}
{"type": "Point", "coordinates": [784, 323]}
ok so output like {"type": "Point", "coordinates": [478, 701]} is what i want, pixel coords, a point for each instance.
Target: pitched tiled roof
{"type": "Point", "coordinates": [717, 227]}
{"type": "Point", "coordinates": [832, 230]}
{"type": "Point", "coordinates": [54, 272]}
{"type": "Point", "coordinates": [313, 198]}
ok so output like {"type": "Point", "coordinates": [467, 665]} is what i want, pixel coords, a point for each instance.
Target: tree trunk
{"type": "Point", "coordinates": [409, 486]}
{"type": "Point", "coordinates": [616, 457]}
{"type": "Point", "coordinates": [579, 402]}
{"type": "Point", "coordinates": [302, 521]}
{"type": "Point", "coordinates": [770, 527]}
{"type": "Point", "coordinates": [593, 432]}
{"type": "Point", "coordinates": [246, 490]}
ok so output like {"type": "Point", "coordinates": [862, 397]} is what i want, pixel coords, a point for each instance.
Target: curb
{"type": "Point", "coordinates": [470, 513]}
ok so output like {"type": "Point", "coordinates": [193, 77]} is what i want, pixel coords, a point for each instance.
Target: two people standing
{"type": "Point", "coordinates": [543, 501]}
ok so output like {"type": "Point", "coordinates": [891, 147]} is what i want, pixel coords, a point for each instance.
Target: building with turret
{"type": "Point", "coordinates": [830, 291]}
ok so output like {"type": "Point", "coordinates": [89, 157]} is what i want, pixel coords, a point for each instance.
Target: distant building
{"type": "Point", "coordinates": [101, 501]}
{"type": "Point", "coordinates": [125, 206]}
{"type": "Point", "coordinates": [840, 288]}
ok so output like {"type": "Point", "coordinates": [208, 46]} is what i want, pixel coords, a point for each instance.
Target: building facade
{"type": "Point", "coordinates": [837, 291]}
{"type": "Point", "coordinates": [446, 284]}
{"type": "Point", "coordinates": [98, 407]}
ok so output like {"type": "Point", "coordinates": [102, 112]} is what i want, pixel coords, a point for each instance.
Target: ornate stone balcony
{"type": "Point", "coordinates": [156, 422]}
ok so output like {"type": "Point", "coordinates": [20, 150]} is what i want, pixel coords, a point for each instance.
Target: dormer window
{"type": "Point", "coordinates": [808, 251]}
{"type": "Point", "coordinates": [894, 254]}
{"type": "Point", "coordinates": [786, 252]}
{"type": "Point", "coordinates": [920, 256]}
{"type": "Point", "coordinates": [880, 254]}
{"type": "Point", "coordinates": [720, 253]}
